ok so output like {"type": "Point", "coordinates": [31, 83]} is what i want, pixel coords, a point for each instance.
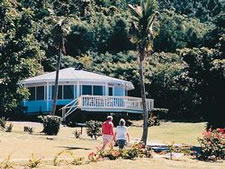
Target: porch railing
{"type": "Point", "coordinates": [113, 102]}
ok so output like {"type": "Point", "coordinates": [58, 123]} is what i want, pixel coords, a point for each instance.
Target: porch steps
{"type": "Point", "coordinates": [72, 106]}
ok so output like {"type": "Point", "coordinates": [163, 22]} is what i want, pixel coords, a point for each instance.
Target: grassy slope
{"type": "Point", "coordinates": [186, 133]}
{"type": "Point", "coordinates": [22, 145]}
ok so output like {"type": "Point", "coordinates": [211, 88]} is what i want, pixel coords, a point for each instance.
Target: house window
{"type": "Point", "coordinates": [40, 93]}
{"type": "Point", "coordinates": [86, 90]}
{"type": "Point", "coordinates": [98, 90]}
{"type": "Point", "coordinates": [32, 93]}
{"type": "Point", "coordinates": [110, 91]}
{"type": "Point", "coordinates": [118, 91]}
{"type": "Point", "coordinates": [68, 92]}
{"type": "Point", "coordinates": [59, 92]}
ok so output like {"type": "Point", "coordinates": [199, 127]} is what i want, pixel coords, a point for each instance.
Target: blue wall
{"type": "Point", "coordinates": [41, 106]}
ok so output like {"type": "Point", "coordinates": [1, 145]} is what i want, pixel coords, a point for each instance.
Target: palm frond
{"type": "Point", "coordinates": [150, 8]}
{"type": "Point", "coordinates": [145, 16]}
{"type": "Point", "coordinates": [150, 21]}
{"type": "Point", "coordinates": [137, 11]}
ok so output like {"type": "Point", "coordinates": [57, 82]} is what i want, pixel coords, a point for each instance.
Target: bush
{"type": "Point", "coordinates": [93, 128]}
{"type": "Point", "coordinates": [28, 129]}
{"type": "Point", "coordinates": [137, 150]}
{"type": "Point", "coordinates": [33, 162]}
{"type": "Point", "coordinates": [212, 145]}
{"type": "Point", "coordinates": [3, 121]}
{"type": "Point", "coordinates": [77, 134]}
{"type": "Point", "coordinates": [9, 127]}
{"type": "Point", "coordinates": [153, 121]}
{"type": "Point", "coordinates": [67, 157]}
{"type": "Point", "coordinates": [51, 124]}
{"type": "Point", "coordinates": [6, 163]}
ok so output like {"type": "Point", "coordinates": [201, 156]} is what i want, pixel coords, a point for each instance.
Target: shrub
{"type": "Point", "coordinates": [94, 157]}
{"type": "Point", "coordinates": [77, 134]}
{"type": "Point", "coordinates": [51, 124]}
{"type": "Point", "coordinates": [212, 145]}
{"type": "Point", "coordinates": [33, 162]}
{"type": "Point", "coordinates": [161, 112]}
{"type": "Point", "coordinates": [3, 121]}
{"type": "Point", "coordinates": [110, 154]}
{"type": "Point", "coordinates": [9, 127]}
{"type": "Point", "coordinates": [6, 164]}
{"type": "Point", "coordinates": [61, 156]}
{"type": "Point", "coordinates": [28, 129]}
{"type": "Point", "coordinates": [153, 121]}
{"type": "Point", "coordinates": [93, 128]}
{"type": "Point", "coordinates": [137, 150]}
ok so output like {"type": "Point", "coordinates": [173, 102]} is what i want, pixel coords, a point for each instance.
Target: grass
{"type": "Point", "coordinates": [22, 145]}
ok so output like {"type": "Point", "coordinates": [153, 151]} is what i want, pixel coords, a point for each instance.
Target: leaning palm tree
{"type": "Point", "coordinates": [59, 32]}
{"type": "Point", "coordinates": [143, 19]}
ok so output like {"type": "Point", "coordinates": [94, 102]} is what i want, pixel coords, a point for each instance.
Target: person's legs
{"type": "Point", "coordinates": [121, 143]}
{"type": "Point", "coordinates": [105, 141]}
{"type": "Point", "coordinates": [110, 141]}
{"type": "Point", "coordinates": [111, 145]}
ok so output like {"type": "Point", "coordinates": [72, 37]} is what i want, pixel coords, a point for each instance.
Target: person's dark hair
{"type": "Point", "coordinates": [122, 122]}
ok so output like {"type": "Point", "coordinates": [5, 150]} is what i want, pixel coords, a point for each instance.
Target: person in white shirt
{"type": "Point", "coordinates": [121, 135]}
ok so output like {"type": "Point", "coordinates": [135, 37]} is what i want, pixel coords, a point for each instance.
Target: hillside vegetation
{"type": "Point", "coordinates": [185, 73]}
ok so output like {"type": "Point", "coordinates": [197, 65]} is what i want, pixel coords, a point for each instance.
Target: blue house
{"type": "Point", "coordinates": [79, 89]}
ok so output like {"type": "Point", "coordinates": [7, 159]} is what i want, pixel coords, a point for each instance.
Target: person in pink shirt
{"type": "Point", "coordinates": [107, 132]}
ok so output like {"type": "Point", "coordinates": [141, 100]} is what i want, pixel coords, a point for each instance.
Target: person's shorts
{"type": "Point", "coordinates": [107, 138]}
{"type": "Point", "coordinates": [121, 143]}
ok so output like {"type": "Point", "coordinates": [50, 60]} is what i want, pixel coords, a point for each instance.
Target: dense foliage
{"type": "Point", "coordinates": [212, 145]}
{"type": "Point", "coordinates": [93, 128]}
{"type": "Point", "coordinates": [184, 74]}
{"type": "Point", "coordinates": [51, 124]}
{"type": "Point", "coordinates": [136, 150]}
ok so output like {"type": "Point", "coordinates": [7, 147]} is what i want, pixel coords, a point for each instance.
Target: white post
{"type": "Point", "coordinates": [124, 95]}
{"type": "Point", "coordinates": [106, 89]}
{"type": "Point", "coordinates": [74, 91]}
{"type": "Point", "coordinates": [124, 89]}
{"type": "Point", "coordinates": [78, 89]}
{"type": "Point", "coordinates": [47, 96]}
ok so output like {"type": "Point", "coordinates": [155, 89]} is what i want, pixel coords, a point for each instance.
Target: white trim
{"type": "Point", "coordinates": [47, 96]}
{"type": "Point", "coordinates": [106, 89]}
{"type": "Point", "coordinates": [78, 88]}
{"type": "Point", "coordinates": [74, 91]}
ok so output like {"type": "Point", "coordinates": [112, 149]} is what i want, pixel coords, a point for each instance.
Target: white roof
{"type": "Point", "coordinates": [72, 75]}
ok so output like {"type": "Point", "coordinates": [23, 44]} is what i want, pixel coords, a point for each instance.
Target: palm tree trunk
{"type": "Point", "coordinates": [56, 83]}
{"type": "Point", "coordinates": [143, 96]}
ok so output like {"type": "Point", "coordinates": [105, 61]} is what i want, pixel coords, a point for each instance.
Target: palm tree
{"type": "Point", "coordinates": [59, 39]}
{"type": "Point", "coordinates": [143, 19]}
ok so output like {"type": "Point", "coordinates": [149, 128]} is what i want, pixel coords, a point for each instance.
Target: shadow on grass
{"type": "Point", "coordinates": [74, 148]}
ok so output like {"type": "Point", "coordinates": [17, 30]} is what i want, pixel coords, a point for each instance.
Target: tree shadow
{"type": "Point", "coordinates": [74, 148]}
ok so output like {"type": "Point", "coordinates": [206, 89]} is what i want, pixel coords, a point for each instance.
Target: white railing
{"type": "Point", "coordinates": [113, 102]}
{"type": "Point", "coordinates": [72, 106]}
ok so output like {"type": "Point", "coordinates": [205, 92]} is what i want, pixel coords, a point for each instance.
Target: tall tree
{"type": "Point", "coordinates": [59, 42]}
{"type": "Point", "coordinates": [19, 54]}
{"type": "Point", "coordinates": [143, 19]}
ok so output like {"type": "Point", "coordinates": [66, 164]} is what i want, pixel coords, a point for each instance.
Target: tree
{"type": "Point", "coordinates": [19, 54]}
{"type": "Point", "coordinates": [179, 31]}
{"type": "Point", "coordinates": [60, 44]}
{"type": "Point", "coordinates": [143, 19]}
{"type": "Point", "coordinates": [205, 77]}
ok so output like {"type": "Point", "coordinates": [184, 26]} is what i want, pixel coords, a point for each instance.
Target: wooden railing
{"type": "Point", "coordinates": [113, 102]}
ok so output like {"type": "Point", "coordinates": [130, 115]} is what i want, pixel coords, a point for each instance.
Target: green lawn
{"type": "Point", "coordinates": [21, 145]}
{"type": "Point", "coordinates": [168, 132]}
